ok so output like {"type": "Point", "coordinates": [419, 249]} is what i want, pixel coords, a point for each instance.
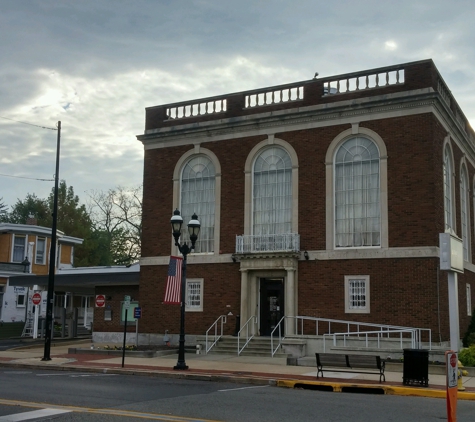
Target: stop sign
{"type": "Point", "coordinates": [453, 360]}
{"type": "Point", "coordinates": [36, 299]}
{"type": "Point", "coordinates": [100, 301]}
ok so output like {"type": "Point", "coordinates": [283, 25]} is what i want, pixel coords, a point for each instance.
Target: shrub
{"type": "Point", "coordinates": [467, 356]}
{"type": "Point", "coordinates": [469, 337]}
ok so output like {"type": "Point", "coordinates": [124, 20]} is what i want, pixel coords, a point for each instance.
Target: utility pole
{"type": "Point", "coordinates": [52, 258]}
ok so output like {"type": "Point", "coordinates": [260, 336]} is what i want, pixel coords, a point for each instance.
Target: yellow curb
{"type": "Point", "coordinates": [388, 389]}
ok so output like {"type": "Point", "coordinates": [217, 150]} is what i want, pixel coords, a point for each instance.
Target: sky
{"type": "Point", "coordinates": [96, 65]}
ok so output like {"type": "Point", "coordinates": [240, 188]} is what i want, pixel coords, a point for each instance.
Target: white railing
{"type": "Point", "coordinates": [196, 108]}
{"type": "Point", "coordinates": [247, 331]}
{"type": "Point", "coordinates": [333, 327]}
{"type": "Point", "coordinates": [288, 242]}
{"type": "Point", "coordinates": [414, 337]}
{"type": "Point", "coordinates": [364, 80]}
{"type": "Point", "coordinates": [273, 96]}
{"type": "Point", "coordinates": [218, 324]}
{"type": "Point", "coordinates": [277, 328]}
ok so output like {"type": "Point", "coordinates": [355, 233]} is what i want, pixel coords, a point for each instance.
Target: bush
{"type": "Point", "coordinates": [467, 356]}
{"type": "Point", "coordinates": [469, 337]}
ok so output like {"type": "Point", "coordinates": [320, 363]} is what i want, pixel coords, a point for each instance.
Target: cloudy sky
{"type": "Point", "coordinates": [96, 65]}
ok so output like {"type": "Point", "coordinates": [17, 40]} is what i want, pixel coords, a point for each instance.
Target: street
{"type": "Point", "coordinates": [80, 396]}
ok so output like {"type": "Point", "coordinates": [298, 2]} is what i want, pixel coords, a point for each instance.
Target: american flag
{"type": "Point", "coordinates": [173, 290]}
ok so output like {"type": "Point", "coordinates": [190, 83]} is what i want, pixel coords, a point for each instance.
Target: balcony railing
{"type": "Point", "coordinates": [288, 242]}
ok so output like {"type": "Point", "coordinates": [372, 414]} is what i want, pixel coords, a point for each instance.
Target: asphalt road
{"type": "Point", "coordinates": [103, 397]}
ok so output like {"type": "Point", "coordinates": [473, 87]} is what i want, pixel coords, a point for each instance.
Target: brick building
{"type": "Point", "coordinates": [322, 198]}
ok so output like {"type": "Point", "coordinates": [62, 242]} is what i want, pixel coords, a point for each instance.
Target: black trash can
{"type": "Point", "coordinates": [416, 367]}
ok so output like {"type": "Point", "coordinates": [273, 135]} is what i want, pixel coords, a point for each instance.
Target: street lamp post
{"type": "Point", "coordinates": [193, 230]}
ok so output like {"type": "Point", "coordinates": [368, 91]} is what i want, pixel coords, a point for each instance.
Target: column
{"type": "Point", "coordinates": [290, 302]}
{"type": "Point", "coordinates": [244, 296]}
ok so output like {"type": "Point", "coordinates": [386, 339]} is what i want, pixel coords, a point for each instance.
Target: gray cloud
{"type": "Point", "coordinates": [96, 65]}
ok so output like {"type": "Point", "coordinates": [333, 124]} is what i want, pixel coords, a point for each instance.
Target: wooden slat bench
{"type": "Point", "coordinates": [364, 364]}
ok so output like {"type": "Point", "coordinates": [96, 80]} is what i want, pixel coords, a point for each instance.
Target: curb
{"type": "Point", "coordinates": [234, 378]}
{"type": "Point", "coordinates": [371, 389]}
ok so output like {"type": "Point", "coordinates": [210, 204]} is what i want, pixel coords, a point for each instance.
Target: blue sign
{"type": "Point", "coordinates": [137, 312]}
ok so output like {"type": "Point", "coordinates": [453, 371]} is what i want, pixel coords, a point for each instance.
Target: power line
{"type": "Point", "coordinates": [30, 124]}
{"type": "Point", "coordinates": [30, 178]}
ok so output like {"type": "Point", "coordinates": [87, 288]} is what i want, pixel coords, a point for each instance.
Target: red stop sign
{"type": "Point", "coordinates": [36, 299]}
{"type": "Point", "coordinates": [100, 301]}
{"type": "Point", "coordinates": [453, 360]}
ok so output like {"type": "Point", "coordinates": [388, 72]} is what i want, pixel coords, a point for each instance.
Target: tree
{"type": "Point", "coordinates": [117, 220]}
{"type": "Point", "coordinates": [30, 206]}
{"type": "Point", "coordinates": [3, 211]}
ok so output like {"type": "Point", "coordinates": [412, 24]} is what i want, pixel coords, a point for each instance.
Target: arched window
{"type": "Point", "coordinates": [448, 194]}
{"type": "Point", "coordinates": [198, 196]}
{"type": "Point", "coordinates": [272, 192]}
{"type": "Point", "coordinates": [464, 213]}
{"type": "Point", "coordinates": [357, 194]}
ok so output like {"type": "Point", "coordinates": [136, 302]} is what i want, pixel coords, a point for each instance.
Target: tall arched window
{"type": "Point", "coordinates": [357, 194]}
{"type": "Point", "coordinates": [448, 214]}
{"type": "Point", "coordinates": [198, 196]}
{"type": "Point", "coordinates": [272, 192]}
{"type": "Point", "coordinates": [464, 212]}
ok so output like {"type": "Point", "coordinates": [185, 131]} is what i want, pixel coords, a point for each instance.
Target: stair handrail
{"type": "Point", "coordinates": [251, 322]}
{"type": "Point", "coordinates": [223, 320]}
{"type": "Point", "coordinates": [279, 327]}
{"type": "Point", "coordinates": [415, 334]}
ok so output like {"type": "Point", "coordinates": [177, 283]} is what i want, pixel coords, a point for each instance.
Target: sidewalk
{"type": "Point", "coordinates": [240, 369]}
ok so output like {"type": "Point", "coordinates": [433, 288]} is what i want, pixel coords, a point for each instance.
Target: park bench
{"type": "Point", "coordinates": [364, 364]}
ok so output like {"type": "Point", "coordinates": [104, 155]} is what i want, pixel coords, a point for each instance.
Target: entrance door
{"type": "Point", "coordinates": [271, 305]}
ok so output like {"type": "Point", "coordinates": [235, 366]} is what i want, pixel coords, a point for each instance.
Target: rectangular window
{"type": "Point", "coordinates": [469, 300]}
{"type": "Point", "coordinates": [19, 248]}
{"type": "Point", "coordinates": [40, 250]}
{"type": "Point", "coordinates": [357, 294]}
{"type": "Point", "coordinates": [20, 301]}
{"type": "Point", "coordinates": [194, 295]}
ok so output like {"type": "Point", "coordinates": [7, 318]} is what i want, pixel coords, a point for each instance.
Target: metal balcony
{"type": "Point", "coordinates": [288, 242]}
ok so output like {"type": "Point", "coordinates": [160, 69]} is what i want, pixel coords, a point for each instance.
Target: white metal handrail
{"type": "Point", "coordinates": [279, 328]}
{"type": "Point", "coordinates": [250, 323]}
{"type": "Point", "coordinates": [216, 337]}
{"type": "Point", "coordinates": [361, 328]}
{"type": "Point", "coordinates": [415, 336]}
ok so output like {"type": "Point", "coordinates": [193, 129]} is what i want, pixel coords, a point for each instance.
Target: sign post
{"type": "Point", "coordinates": [36, 299]}
{"type": "Point", "coordinates": [451, 260]}
{"type": "Point", "coordinates": [137, 316]}
{"type": "Point", "coordinates": [126, 306]}
{"type": "Point", "coordinates": [451, 363]}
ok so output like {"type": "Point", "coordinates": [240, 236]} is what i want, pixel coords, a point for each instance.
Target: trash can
{"type": "Point", "coordinates": [416, 367]}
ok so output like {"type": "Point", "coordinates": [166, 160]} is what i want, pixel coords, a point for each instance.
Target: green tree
{"type": "Point", "coordinates": [30, 206]}
{"type": "Point", "coordinates": [3, 211]}
{"type": "Point", "coordinates": [74, 220]}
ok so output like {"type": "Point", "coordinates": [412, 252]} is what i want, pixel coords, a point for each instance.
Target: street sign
{"type": "Point", "coordinates": [137, 312]}
{"type": "Point", "coordinates": [100, 301]}
{"type": "Point", "coordinates": [127, 302]}
{"type": "Point", "coordinates": [36, 298]}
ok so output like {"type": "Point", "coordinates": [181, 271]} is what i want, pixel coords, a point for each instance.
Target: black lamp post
{"type": "Point", "coordinates": [193, 230]}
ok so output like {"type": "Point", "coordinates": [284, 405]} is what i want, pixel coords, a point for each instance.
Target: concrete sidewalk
{"type": "Point", "coordinates": [241, 369]}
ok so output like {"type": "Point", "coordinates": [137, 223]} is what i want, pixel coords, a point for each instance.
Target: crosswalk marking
{"type": "Point", "coordinates": [17, 417]}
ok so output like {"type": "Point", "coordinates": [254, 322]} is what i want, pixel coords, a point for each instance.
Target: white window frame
{"type": "Point", "coordinates": [25, 246]}
{"type": "Point", "coordinates": [356, 130]}
{"type": "Point", "coordinates": [18, 304]}
{"type": "Point", "coordinates": [248, 182]}
{"type": "Point", "coordinates": [448, 182]}
{"type": "Point", "coordinates": [189, 283]}
{"type": "Point", "coordinates": [468, 290]}
{"type": "Point", "coordinates": [43, 261]}
{"type": "Point", "coordinates": [348, 282]}
{"type": "Point", "coordinates": [465, 211]}
{"type": "Point", "coordinates": [217, 192]}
